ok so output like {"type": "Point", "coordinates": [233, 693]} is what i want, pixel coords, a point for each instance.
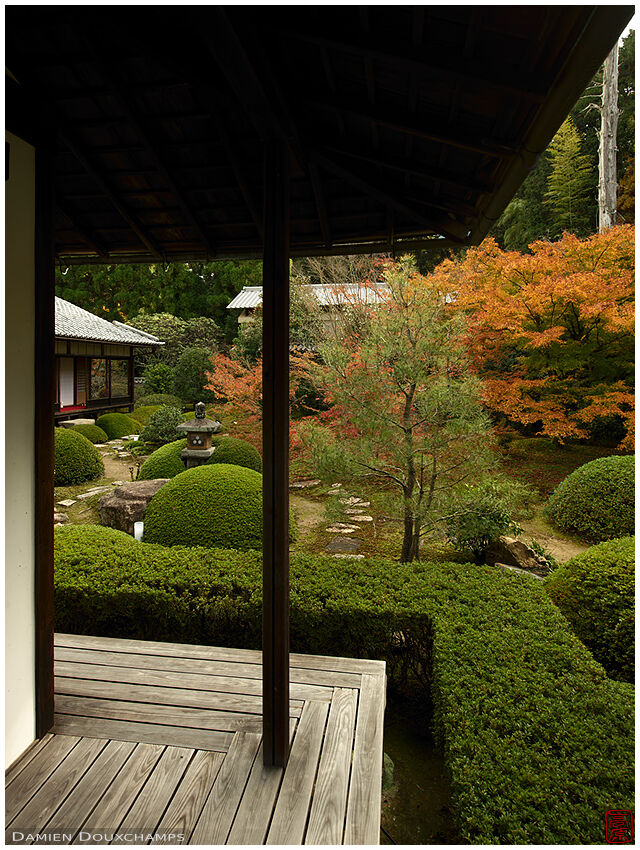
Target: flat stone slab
{"type": "Point", "coordinates": [362, 518]}
{"type": "Point", "coordinates": [59, 518]}
{"type": "Point", "coordinates": [93, 492]}
{"type": "Point", "coordinates": [353, 511]}
{"type": "Point", "coordinates": [70, 423]}
{"type": "Point", "coordinates": [340, 529]}
{"type": "Point", "coordinates": [66, 503]}
{"type": "Point", "coordinates": [124, 454]}
{"type": "Point", "coordinates": [347, 545]}
{"type": "Point", "coordinates": [353, 557]}
{"type": "Point", "coordinates": [517, 570]}
{"type": "Point", "coordinates": [100, 445]}
{"type": "Point", "coordinates": [300, 485]}
{"type": "Point", "coordinates": [116, 484]}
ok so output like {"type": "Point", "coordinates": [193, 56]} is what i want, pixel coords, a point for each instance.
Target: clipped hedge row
{"type": "Point", "coordinates": [144, 413]}
{"type": "Point", "coordinates": [116, 425]}
{"type": "Point", "coordinates": [537, 740]}
{"type": "Point", "coordinates": [596, 501]}
{"type": "Point", "coordinates": [91, 432]}
{"type": "Point", "coordinates": [596, 593]}
{"type": "Point", "coordinates": [75, 458]}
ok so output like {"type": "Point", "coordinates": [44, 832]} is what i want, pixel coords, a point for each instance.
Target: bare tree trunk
{"type": "Point", "coordinates": [607, 184]}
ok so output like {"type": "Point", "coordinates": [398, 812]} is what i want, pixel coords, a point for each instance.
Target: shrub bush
{"type": "Point", "coordinates": [190, 376]}
{"type": "Point", "coordinates": [596, 502]}
{"type": "Point", "coordinates": [92, 433]}
{"type": "Point", "coordinates": [537, 740]}
{"type": "Point", "coordinates": [482, 516]}
{"type": "Point", "coordinates": [75, 458]}
{"type": "Point", "coordinates": [219, 505]}
{"type": "Point", "coordinates": [158, 378]}
{"type": "Point", "coordinates": [162, 425]}
{"type": "Point", "coordinates": [116, 425]}
{"type": "Point", "coordinates": [144, 412]}
{"type": "Point", "coordinates": [595, 592]}
{"type": "Point", "coordinates": [157, 400]}
{"type": "Point", "coordinates": [166, 461]}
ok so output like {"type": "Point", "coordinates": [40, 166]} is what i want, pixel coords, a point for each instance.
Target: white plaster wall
{"type": "Point", "coordinates": [19, 449]}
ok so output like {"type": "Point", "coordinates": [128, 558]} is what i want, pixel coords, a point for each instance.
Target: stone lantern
{"type": "Point", "coordinates": [199, 430]}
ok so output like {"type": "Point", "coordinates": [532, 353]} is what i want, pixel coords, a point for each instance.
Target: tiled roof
{"type": "Point", "coordinates": [359, 293]}
{"type": "Point", "coordinates": [75, 323]}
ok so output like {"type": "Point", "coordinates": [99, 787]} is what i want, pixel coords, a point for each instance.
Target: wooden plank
{"type": "Point", "coordinates": [326, 820]}
{"type": "Point", "coordinates": [232, 669]}
{"type": "Point", "coordinates": [36, 773]}
{"type": "Point", "coordinates": [228, 684]}
{"type": "Point", "coordinates": [185, 808]}
{"type": "Point", "coordinates": [256, 807]}
{"type": "Point", "coordinates": [275, 449]}
{"type": "Point", "coordinates": [111, 809]}
{"type": "Point", "coordinates": [188, 718]}
{"type": "Point", "coordinates": [24, 758]}
{"type": "Point", "coordinates": [55, 789]}
{"type": "Point", "coordinates": [231, 703]}
{"type": "Point", "coordinates": [365, 788]}
{"type": "Point", "coordinates": [153, 799]}
{"type": "Point", "coordinates": [148, 733]}
{"type": "Point", "coordinates": [292, 806]}
{"type": "Point", "coordinates": [72, 814]}
{"type": "Point", "coordinates": [216, 653]}
{"type": "Point", "coordinates": [221, 806]}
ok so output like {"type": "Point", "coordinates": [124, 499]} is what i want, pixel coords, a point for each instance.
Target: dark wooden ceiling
{"type": "Point", "coordinates": [406, 124]}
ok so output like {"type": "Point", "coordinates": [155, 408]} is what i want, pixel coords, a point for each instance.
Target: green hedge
{"type": "Point", "coordinates": [596, 502]}
{"type": "Point", "coordinates": [143, 413]}
{"type": "Point", "coordinates": [537, 740]}
{"type": "Point", "coordinates": [75, 458]}
{"type": "Point", "coordinates": [218, 505]}
{"type": "Point", "coordinates": [116, 425]}
{"type": "Point", "coordinates": [91, 432]}
{"type": "Point", "coordinates": [595, 592]}
{"type": "Point", "coordinates": [167, 463]}
{"type": "Point", "coordinates": [157, 400]}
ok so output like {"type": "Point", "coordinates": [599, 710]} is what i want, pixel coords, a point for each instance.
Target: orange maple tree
{"type": "Point", "coordinates": [551, 333]}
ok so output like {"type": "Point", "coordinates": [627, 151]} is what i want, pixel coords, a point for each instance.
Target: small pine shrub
{"type": "Point", "coordinates": [162, 425]}
{"type": "Point", "coordinates": [116, 425]}
{"type": "Point", "coordinates": [166, 461]}
{"type": "Point", "coordinates": [219, 505]}
{"type": "Point", "coordinates": [157, 400]}
{"type": "Point", "coordinates": [91, 432]}
{"type": "Point", "coordinates": [596, 502]}
{"type": "Point", "coordinates": [75, 458]}
{"type": "Point", "coordinates": [237, 452]}
{"type": "Point", "coordinates": [595, 592]}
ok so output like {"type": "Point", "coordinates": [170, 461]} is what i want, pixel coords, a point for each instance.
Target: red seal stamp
{"type": "Point", "coordinates": [618, 826]}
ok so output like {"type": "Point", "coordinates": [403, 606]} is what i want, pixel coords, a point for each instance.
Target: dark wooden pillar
{"type": "Point", "coordinates": [45, 395]}
{"type": "Point", "coordinates": [275, 449]}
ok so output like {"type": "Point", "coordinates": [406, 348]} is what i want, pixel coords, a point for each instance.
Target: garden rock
{"type": "Point", "coordinates": [362, 518]}
{"type": "Point", "coordinates": [300, 485]}
{"type": "Point", "coordinates": [353, 557]}
{"type": "Point", "coordinates": [515, 553]}
{"type": "Point", "coordinates": [71, 423]}
{"type": "Point", "coordinates": [66, 503]}
{"type": "Point", "coordinates": [94, 492]}
{"type": "Point", "coordinates": [347, 545]}
{"type": "Point", "coordinates": [59, 518]}
{"type": "Point", "coordinates": [127, 503]}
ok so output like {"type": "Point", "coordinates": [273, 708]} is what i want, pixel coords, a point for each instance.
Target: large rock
{"type": "Point", "coordinates": [515, 553]}
{"type": "Point", "coordinates": [127, 503]}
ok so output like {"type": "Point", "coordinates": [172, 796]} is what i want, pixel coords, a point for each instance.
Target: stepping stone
{"type": "Point", "coordinates": [348, 545]}
{"type": "Point", "coordinates": [341, 529]}
{"type": "Point", "coordinates": [362, 518]}
{"type": "Point", "coordinates": [66, 503]}
{"type": "Point", "coordinates": [353, 557]}
{"type": "Point", "coordinates": [59, 518]}
{"type": "Point", "coordinates": [354, 500]}
{"type": "Point", "coordinates": [336, 484]}
{"type": "Point", "coordinates": [100, 445]}
{"type": "Point", "coordinates": [124, 454]}
{"type": "Point", "coordinates": [353, 511]}
{"type": "Point", "coordinates": [299, 485]}
{"type": "Point", "coordinates": [113, 484]}
{"type": "Point", "coordinates": [94, 492]}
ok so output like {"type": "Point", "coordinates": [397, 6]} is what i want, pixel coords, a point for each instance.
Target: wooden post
{"type": "Point", "coordinates": [275, 448]}
{"type": "Point", "coordinates": [45, 394]}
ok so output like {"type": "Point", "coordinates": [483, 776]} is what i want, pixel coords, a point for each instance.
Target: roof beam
{"type": "Point", "coordinates": [91, 169]}
{"type": "Point", "coordinates": [318, 194]}
{"type": "Point", "coordinates": [85, 233]}
{"type": "Point", "coordinates": [409, 124]}
{"type": "Point", "coordinates": [446, 227]}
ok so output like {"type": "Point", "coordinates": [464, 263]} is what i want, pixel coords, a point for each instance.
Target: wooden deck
{"type": "Point", "coordinates": [163, 741]}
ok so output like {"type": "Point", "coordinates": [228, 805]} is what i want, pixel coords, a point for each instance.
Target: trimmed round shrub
{"type": "Point", "coordinates": [157, 400]}
{"type": "Point", "coordinates": [116, 425]}
{"type": "Point", "coordinates": [596, 501]}
{"type": "Point", "coordinates": [91, 432]}
{"type": "Point", "coordinates": [595, 592]}
{"type": "Point", "coordinates": [162, 425]}
{"type": "Point", "coordinates": [143, 414]}
{"type": "Point", "coordinates": [166, 461]}
{"type": "Point", "coordinates": [218, 505]}
{"type": "Point", "coordinates": [238, 452]}
{"type": "Point", "coordinates": [75, 458]}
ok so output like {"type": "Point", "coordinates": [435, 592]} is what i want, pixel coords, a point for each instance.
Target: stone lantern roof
{"type": "Point", "coordinates": [200, 424]}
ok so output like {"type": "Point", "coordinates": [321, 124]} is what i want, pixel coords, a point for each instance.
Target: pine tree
{"type": "Point", "coordinates": [568, 182]}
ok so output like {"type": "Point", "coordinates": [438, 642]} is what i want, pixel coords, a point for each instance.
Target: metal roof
{"type": "Point", "coordinates": [325, 294]}
{"type": "Point", "coordinates": [72, 322]}
{"type": "Point", "coordinates": [407, 126]}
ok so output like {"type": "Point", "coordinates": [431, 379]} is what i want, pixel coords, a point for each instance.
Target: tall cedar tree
{"type": "Point", "coordinates": [406, 412]}
{"type": "Point", "coordinates": [568, 182]}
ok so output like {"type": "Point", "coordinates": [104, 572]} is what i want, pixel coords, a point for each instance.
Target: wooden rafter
{"type": "Point", "coordinates": [86, 233]}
